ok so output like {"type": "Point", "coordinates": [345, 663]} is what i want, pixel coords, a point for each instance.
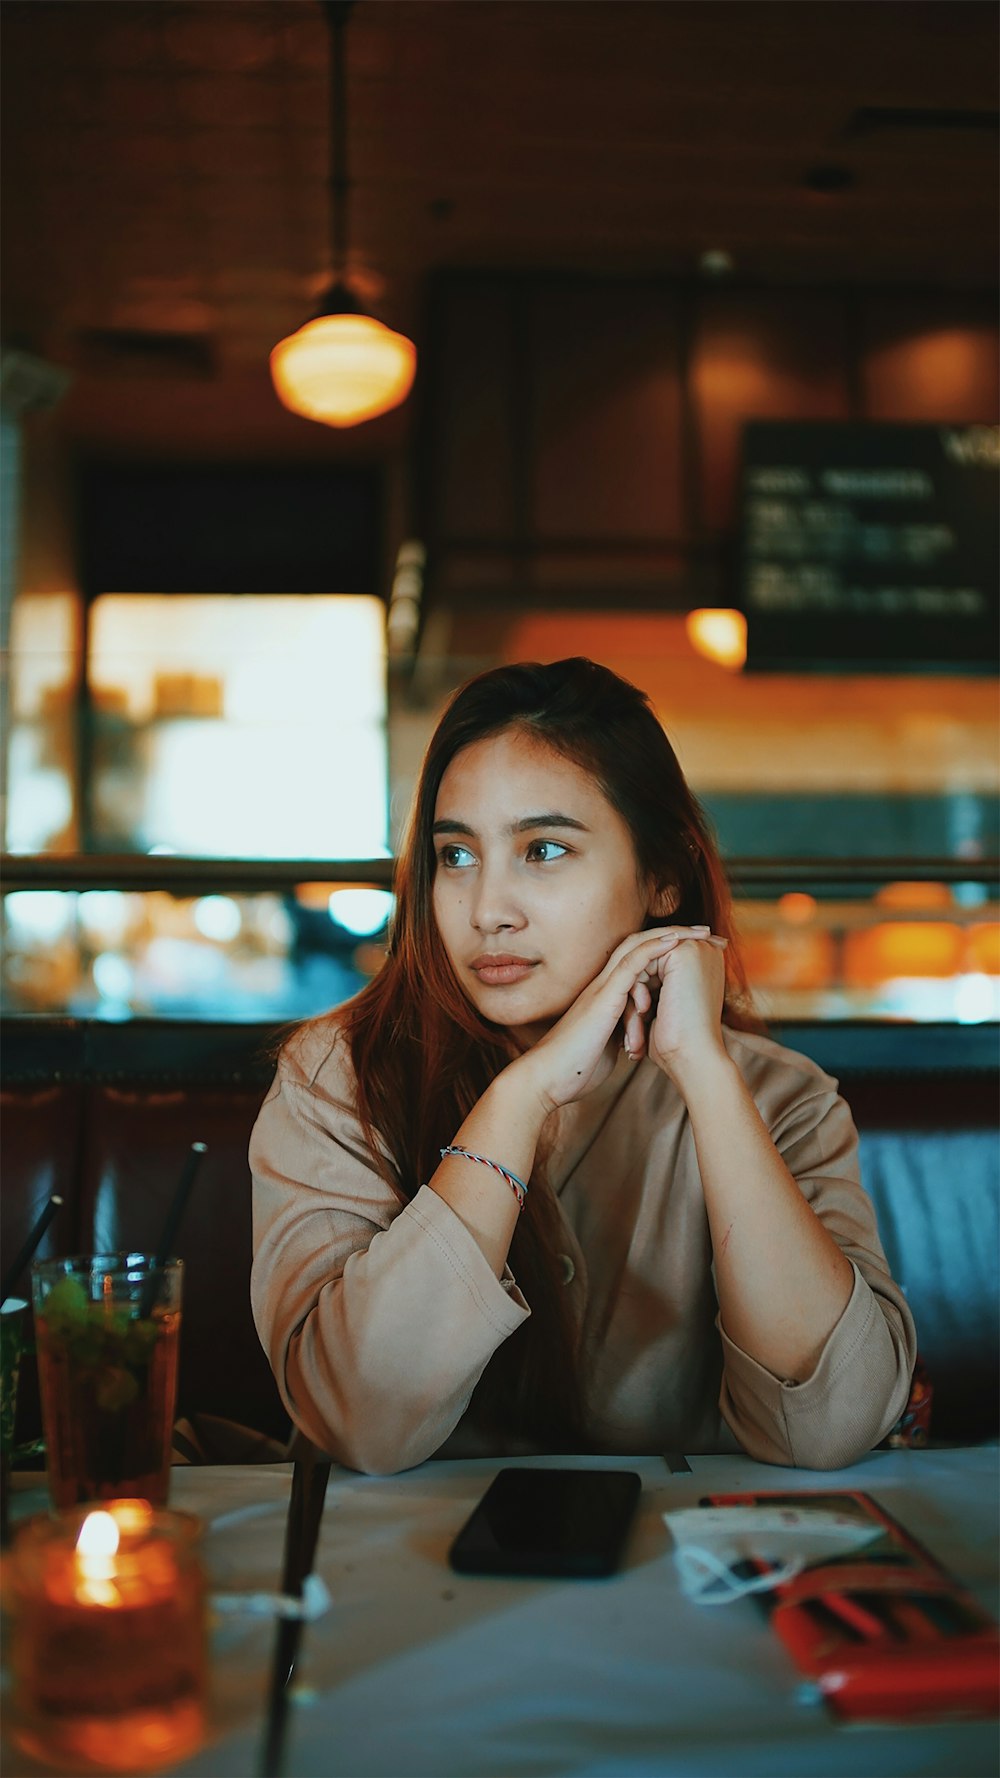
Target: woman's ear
{"type": "Point", "coordinates": [664, 901]}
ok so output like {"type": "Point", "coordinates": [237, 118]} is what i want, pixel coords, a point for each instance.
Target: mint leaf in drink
{"type": "Point", "coordinates": [107, 1345]}
{"type": "Point", "coordinates": [139, 1340]}
{"type": "Point", "coordinates": [66, 1307]}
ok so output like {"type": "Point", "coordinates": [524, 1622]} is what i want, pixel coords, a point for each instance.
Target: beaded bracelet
{"type": "Point", "coordinates": [517, 1186]}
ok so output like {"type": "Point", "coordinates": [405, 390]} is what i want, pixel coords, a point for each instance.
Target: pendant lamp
{"type": "Point", "coordinates": [342, 366]}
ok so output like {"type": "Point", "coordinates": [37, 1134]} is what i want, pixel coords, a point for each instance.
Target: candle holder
{"type": "Point", "coordinates": [108, 1645]}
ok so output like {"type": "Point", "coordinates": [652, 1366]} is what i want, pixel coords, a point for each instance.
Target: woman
{"type": "Point", "coordinates": [542, 1184]}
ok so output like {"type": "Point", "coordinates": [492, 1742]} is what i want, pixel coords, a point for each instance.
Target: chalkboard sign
{"type": "Point", "coordinates": [870, 548]}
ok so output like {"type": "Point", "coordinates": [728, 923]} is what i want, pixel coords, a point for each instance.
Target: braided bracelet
{"type": "Point", "coordinates": [517, 1186]}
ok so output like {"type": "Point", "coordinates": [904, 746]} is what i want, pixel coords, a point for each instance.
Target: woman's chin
{"type": "Point", "coordinates": [526, 1036]}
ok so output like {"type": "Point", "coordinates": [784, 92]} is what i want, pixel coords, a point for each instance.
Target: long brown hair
{"type": "Point", "coordinates": [423, 1055]}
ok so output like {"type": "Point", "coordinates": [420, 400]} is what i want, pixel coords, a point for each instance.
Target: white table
{"type": "Point", "coordinates": [417, 1671]}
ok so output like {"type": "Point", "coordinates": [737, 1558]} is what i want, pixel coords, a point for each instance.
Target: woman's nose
{"type": "Point", "coordinates": [495, 906]}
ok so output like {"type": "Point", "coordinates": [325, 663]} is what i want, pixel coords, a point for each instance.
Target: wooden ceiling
{"type": "Point", "coordinates": [165, 206]}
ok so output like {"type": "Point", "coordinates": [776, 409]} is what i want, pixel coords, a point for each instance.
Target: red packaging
{"type": "Point", "coordinates": [885, 1632]}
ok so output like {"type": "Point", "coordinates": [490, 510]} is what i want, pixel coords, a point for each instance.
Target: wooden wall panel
{"type": "Point", "coordinates": [773, 356]}
{"type": "Point", "coordinates": [606, 437]}
{"type": "Point", "coordinates": [476, 387]}
{"type": "Point", "coordinates": [582, 439]}
{"type": "Point", "coordinates": [929, 360]}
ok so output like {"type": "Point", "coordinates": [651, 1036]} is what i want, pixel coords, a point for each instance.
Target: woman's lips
{"type": "Point", "coordinates": [498, 972]}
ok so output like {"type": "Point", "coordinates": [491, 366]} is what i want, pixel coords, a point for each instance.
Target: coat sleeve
{"type": "Point", "coordinates": [378, 1316]}
{"type": "Point", "coordinates": [860, 1383]}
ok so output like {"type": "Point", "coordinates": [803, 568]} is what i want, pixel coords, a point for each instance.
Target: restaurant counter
{"type": "Point", "coordinates": [416, 1670]}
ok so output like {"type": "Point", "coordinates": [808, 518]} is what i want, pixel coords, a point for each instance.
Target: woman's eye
{"type": "Point", "coordinates": [455, 857]}
{"type": "Point", "coordinates": [545, 851]}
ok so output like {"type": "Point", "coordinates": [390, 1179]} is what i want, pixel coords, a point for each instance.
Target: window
{"type": "Point", "coordinates": [238, 726]}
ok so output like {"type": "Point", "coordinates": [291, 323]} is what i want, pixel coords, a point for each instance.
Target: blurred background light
{"type": "Point", "coordinates": [103, 915]}
{"type": "Point", "coordinates": [361, 911]}
{"type": "Point", "coordinates": [217, 917]}
{"type": "Point", "coordinates": [719, 634]}
{"type": "Point", "coordinates": [797, 907]}
{"type": "Point", "coordinates": [112, 976]}
{"type": "Point", "coordinates": [977, 1000]}
{"type": "Point", "coordinates": [40, 914]}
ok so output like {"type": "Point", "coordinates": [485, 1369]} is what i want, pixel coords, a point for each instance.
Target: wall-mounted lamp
{"type": "Point", "coordinates": [342, 366]}
{"type": "Point", "coordinates": [718, 633]}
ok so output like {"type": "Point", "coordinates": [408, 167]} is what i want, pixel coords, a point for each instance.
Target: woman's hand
{"type": "Point", "coordinates": [686, 1029]}
{"type": "Point", "coordinates": [581, 1049]}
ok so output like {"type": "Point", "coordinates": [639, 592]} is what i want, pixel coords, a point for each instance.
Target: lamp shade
{"type": "Point", "coordinates": [341, 369]}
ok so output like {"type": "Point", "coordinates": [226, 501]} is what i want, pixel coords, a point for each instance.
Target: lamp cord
{"type": "Point", "coordinates": [337, 14]}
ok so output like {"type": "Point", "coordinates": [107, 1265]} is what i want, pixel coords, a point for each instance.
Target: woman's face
{"type": "Point", "coordinates": [536, 880]}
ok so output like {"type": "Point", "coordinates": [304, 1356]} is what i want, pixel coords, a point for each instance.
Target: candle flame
{"type": "Point", "coordinates": [96, 1544]}
{"type": "Point", "coordinates": [96, 1548]}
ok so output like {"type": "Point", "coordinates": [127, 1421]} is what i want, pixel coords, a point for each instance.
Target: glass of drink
{"type": "Point", "coordinates": [12, 1326]}
{"type": "Point", "coordinates": [13, 1314]}
{"type": "Point", "coordinates": [107, 1328]}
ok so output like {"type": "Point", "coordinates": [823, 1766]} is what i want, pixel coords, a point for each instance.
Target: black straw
{"type": "Point", "coordinates": [14, 1271]}
{"type": "Point", "coordinates": [196, 1155]}
{"type": "Point", "coordinates": [310, 1475]}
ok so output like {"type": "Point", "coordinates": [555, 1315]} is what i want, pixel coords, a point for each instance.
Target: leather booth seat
{"type": "Point", "coordinates": [105, 1114]}
{"type": "Point", "coordinates": [930, 1160]}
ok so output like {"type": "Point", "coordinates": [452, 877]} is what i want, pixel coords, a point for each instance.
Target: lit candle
{"type": "Point", "coordinates": [108, 1645]}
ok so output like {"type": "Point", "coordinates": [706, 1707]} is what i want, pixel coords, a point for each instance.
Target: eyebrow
{"type": "Point", "coordinates": [526, 825]}
{"type": "Point", "coordinates": [551, 820]}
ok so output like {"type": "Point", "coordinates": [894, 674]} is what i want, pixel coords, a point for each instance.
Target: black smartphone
{"type": "Point", "coordinates": [563, 1522]}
